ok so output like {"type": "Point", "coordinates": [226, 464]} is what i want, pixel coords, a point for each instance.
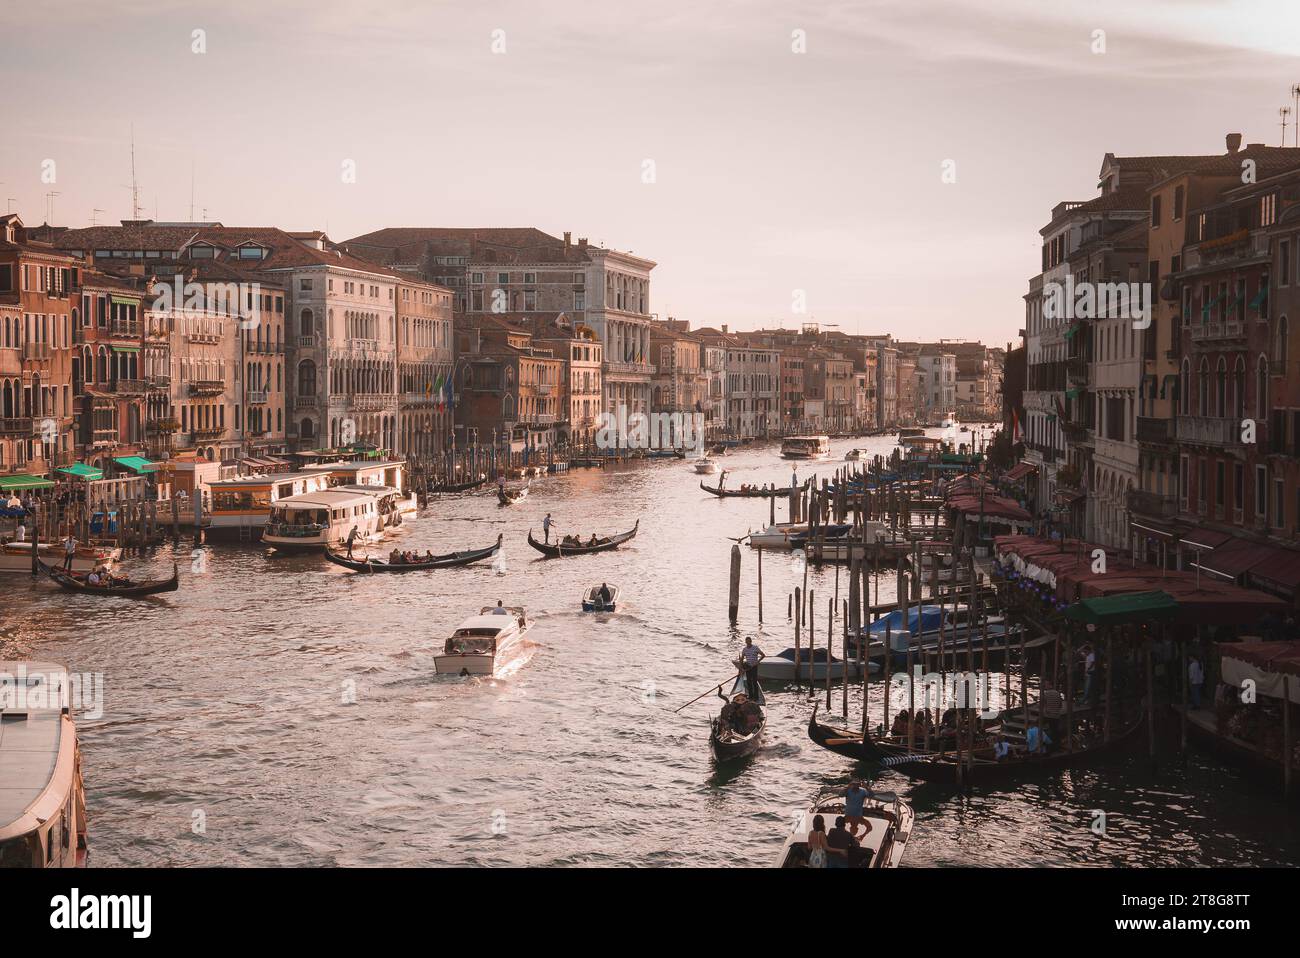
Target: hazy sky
{"type": "Point", "coordinates": [774, 171]}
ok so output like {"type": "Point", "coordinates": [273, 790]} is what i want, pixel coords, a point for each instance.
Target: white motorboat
{"type": "Point", "coordinates": [781, 667]}
{"type": "Point", "coordinates": [477, 643]}
{"type": "Point", "coordinates": [593, 601]}
{"type": "Point", "coordinates": [882, 846]}
{"type": "Point", "coordinates": [17, 556]}
{"type": "Point", "coordinates": [705, 466]}
{"type": "Point", "coordinates": [856, 455]}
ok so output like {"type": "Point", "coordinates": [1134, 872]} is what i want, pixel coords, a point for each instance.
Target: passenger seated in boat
{"type": "Point", "coordinates": [93, 578]}
{"type": "Point", "coordinates": [1036, 740]}
{"type": "Point", "coordinates": [840, 846]}
{"type": "Point", "coordinates": [727, 718]}
{"type": "Point", "coordinates": [899, 728]}
{"type": "Point", "coordinates": [394, 558]}
{"type": "Point", "coordinates": [593, 541]}
{"type": "Point", "coordinates": [428, 555]}
{"type": "Point", "coordinates": [1002, 750]}
{"type": "Point", "coordinates": [500, 609]}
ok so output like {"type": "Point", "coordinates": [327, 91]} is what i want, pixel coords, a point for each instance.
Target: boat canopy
{"type": "Point", "coordinates": [924, 618]}
{"type": "Point", "coordinates": [1123, 608]}
{"type": "Point", "coordinates": [803, 655]}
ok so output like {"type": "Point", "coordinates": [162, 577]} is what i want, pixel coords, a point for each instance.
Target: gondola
{"type": "Point", "coordinates": [510, 498]}
{"type": "Point", "coordinates": [458, 486]}
{"type": "Point", "coordinates": [728, 744]}
{"type": "Point", "coordinates": [942, 766]}
{"type": "Point", "coordinates": [448, 561]}
{"type": "Point", "coordinates": [719, 450]}
{"type": "Point", "coordinates": [665, 454]}
{"type": "Point", "coordinates": [748, 493]}
{"type": "Point", "coordinates": [133, 591]}
{"type": "Point", "coordinates": [555, 550]}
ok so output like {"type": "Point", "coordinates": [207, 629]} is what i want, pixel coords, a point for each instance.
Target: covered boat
{"type": "Point", "coordinates": [474, 647]}
{"type": "Point", "coordinates": [781, 667]}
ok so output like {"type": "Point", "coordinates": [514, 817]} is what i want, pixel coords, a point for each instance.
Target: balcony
{"type": "Point", "coordinates": [159, 383]}
{"type": "Point", "coordinates": [207, 387]}
{"type": "Point", "coordinates": [1223, 433]}
{"type": "Point", "coordinates": [1152, 504]}
{"type": "Point", "coordinates": [304, 402]}
{"type": "Point", "coordinates": [126, 387]}
{"type": "Point", "coordinates": [209, 432]}
{"type": "Point", "coordinates": [1217, 332]}
{"type": "Point", "coordinates": [162, 426]}
{"type": "Point", "coordinates": [371, 402]}
{"type": "Point", "coordinates": [544, 389]}
{"type": "Point", "coordinates": [306, 342]}
{"type": "Point", "coordinates": [1156, 431]}
{"type": "Point", "coordinates": [629, 369]}
{"type": "Point", "coordinates": [125, 330]}
{"type": "Point", "coordinates": [256, 397]}
{"type": "Point", "coordinates": [210, 339]}
{"type": "Point", "coordinates": [16, 427]}
{"type": "Point", "coordinates": [37, 352]}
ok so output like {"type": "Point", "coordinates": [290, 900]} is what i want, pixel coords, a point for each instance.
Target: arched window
{"type": "Point", "coordinates": [1239, 388]}
{"type": "Point", "coordinates": [306, 323]}
{"type": "Point", "coordinates": [1203, 388]}
{"type": "Point", "coordinates": [1185, 388]}
{"type": "Point", "coordinates": [1280, 344]}
{"type": "Point", "coordinates": [307, 430]}
{"type": "Point", "coordinates": [1261, 389]}
{"type": "Point", "coordinates": [1221, 389]}
{"type": "Point", "coordinates": [306, 378]}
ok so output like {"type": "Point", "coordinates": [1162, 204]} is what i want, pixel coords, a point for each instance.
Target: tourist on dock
{"type": "Point", "coordinates": [69, 551]}
{"type": "Point", "coordinates": [1035, 740]}
{"type": "Point", "coordinates": [1089, 673]}
{"type": "Point", "coordinates": [839, 845]}
{"type": "Point", "coordinates": [1002, 749]}
{"type": "Point", "coordinates": [352, 537]}
{"type": "Point", "coordinates": [751, 655]}
{"type": "Point", "coordinates": [546, 527]}
{"type": "Point", "coordinates": [855, 800]}
{"type": "Point", "coordinates": [1195, 680]}
{"type": "Point", "coordinates": [817, 843]}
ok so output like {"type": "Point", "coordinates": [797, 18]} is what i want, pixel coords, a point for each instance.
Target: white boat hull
{"type": "Point", "coordinates": [782, 670]}
{"type": "Point", "coordinates": [468, 664]}
{"type": "Point", "coordinates": [16, 557]}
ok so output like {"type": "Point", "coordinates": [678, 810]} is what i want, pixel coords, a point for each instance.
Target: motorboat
{"type": "Point", "coordinates": [318, 520]}
{"type": "Point", "coordinates": [806, 447]}
{"type": "Point", "coordinates": [882, 846]}
{"type": "Point", "coordinates": [705, 466]}
{"type": "Point", "coordinates": [477, 643]}
{"type": "Point", "coordinates": [781, 667]}
{"type": "Point", "coordinates": [593, 601]}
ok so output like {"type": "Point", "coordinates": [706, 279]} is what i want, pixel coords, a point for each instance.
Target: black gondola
{"type": "Point", "coordinates": [728, 744]}
{"type": "Point", "coordinates": [943, 767]}
{"type": "Point", "coordinates": [760, 493]}
{"type": "Point", "coordinates": [447, 561]}
{"type": "Point", "coordinates": [510, 498]}
{"type": "Point", "coordinates": [556, 550]}
{"type": "Point", "coordinates": [74, 583]}
{"type": "Point", "coordinates": [451, 487]}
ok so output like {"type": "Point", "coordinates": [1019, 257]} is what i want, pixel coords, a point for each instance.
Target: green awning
{"type": "Point", "coordinates": [1073, 393]}
{"type": "Point", "coordinates": [1125, 608]}
{"type": "Point", "coordinates": [136, 464]}
{"type": "Point", "coordinates": [1051, 417]}
{"type": "Point", "coordinates": [83, 471]}
{"type": "Point", "coordinates": [20, 482]}
{"type": "Point", "coordinates": [126, 349]}
{"type": "Point", "coordinates": [124, 301]}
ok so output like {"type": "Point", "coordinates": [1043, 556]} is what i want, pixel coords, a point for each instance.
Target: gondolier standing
{"type": "Point", "coordinates": [751, 655]}
{"type": "Point", "coordinates": [546, 527]}
{"type": "Point", "coordinates": [352, 537]}
{"type": "Point", "coordinates": [69, 551]}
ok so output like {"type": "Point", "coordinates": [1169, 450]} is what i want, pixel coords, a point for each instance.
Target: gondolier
{"type": "Point", "coordinates": [546, 527]}
{"type": "Point", "coordinates": [750, 656]}
{"type": "Point", "coordinates": [69, 551]}
{"type": "Point", "coordinates": [352, 537]}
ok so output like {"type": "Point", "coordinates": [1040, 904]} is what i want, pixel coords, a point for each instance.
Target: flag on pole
{"type": "Point", "coordinates": [1016, 435]}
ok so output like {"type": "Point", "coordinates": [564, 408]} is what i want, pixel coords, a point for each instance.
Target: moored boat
{"type": "Point", "coordinates": [317, 520]}
{"type": "Point", "coordinates": [43, 801]}
{"type": "Point", "coordinates": [600, 598]}
{"type": "Point", "coordinates": [890, 820]}
{"type": "Point", "coordinates": [560, 549]}
{"type": "Point", "coordinates": [477, 643]}
{"type": "Point", "coordinates": [738, 731]}
{"type": "Point", "coordinates": [449, 488]}
{"type": "Point", "coordinates": [17, 556]}
{"type": "Point", "coordinates": [445, 561]}
{"type": "Point", "coordinates": [781, 666]}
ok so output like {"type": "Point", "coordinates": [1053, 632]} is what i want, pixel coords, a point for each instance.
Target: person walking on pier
{"type": "Point", "coordinates": [546, 527]}
{"type": "Point", "coordinates": [1195, 680]}
{"type": "Point", "coordinates": [751, 655]}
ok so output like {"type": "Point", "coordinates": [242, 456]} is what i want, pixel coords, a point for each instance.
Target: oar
{"type": "Point", "coordinates": [702, 694]}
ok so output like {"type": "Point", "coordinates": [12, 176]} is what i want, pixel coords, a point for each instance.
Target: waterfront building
{"type": "Point", "coordinates": [580, 396]}
{"type": "Point", "coordinates": [424, 368]}
{"type": "Point", "coordinates": [509, 386]}
{"type": "Point", "coordinates": [108, 382]}
{"type": "Point", "coordinates": [680, 382]}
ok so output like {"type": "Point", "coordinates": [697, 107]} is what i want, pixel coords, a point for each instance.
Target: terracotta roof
{"type": "Point", "coordinates": [409, 244]}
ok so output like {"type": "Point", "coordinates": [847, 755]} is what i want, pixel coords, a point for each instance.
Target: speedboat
{"type": "Point", "coordinates": [781, 667]}
{"type": "Point", "coordinates": [593, 602]}
{"type": "Point", "coordinates": [474, 647]}
{"type": "Point", "coordinates": [856, 455]}
{"type": "Point", "coordinates": [705, 466]}
{"type": "Point", "coordinates": [882, 846]}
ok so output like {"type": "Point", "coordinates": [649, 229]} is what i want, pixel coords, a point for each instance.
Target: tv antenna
{"type": "Point", "coordinates": [135, 188]}
{"type": "Point", "coordinates": [1295, 95]}
{"type": "Point", "coordinates": [1284, 112]}
{"type": "Point", "coordinates": [93, 221]}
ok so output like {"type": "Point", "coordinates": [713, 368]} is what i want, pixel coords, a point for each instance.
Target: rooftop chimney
{"type": "Point", "coordinates": [724, 329]}
{"type": "Point", "coordinates": [582, 242]}
{"type": "Point", "coordinates": [568, 238]}
{"type": "Point", "coordinates": [1234, 142]}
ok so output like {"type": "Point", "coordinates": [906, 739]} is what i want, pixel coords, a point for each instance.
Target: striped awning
{"type": "Point", "coordinates": [18, 483]}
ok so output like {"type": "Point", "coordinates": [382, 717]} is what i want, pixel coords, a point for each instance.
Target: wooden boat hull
{"type": "Point", "coordinates": [117, 592]}
{"type": "Point", "coordinates": [731, 749]}
{"type": "Point", "coordinates": [509, 499]}
{"type": "Point", "coordinates": [468, 664]}
{"type": "Point", "coordinates": [748, 493]}
{"type": "Point", "coordinates": [457, 487]}
{"type": "Point", "coordinates": [557, 551]}
{"type": "Point", "coordinates": [448, 561]}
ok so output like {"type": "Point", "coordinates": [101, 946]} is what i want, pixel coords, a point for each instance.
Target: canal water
{"type": "Point", "coordinates": [283, 711]}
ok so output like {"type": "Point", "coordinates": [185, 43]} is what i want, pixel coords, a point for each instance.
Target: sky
{"type": "Point", "coordinates": [890, 178]}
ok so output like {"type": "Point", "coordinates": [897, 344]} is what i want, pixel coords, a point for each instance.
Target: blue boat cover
{"type": "Point", "coordinates": [926, 618]}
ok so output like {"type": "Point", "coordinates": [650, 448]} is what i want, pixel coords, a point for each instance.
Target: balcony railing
{"type": "Point", "coordinates": [131, 330]}
{"type": "Point", "coordinates": [637, 369]}
{"type": "Point", "coordinates": [1208, 431]}
{"type": "Point", "coordinates": [1213, 332]}
{"type": "Point", "coordinates": [159, 383]}
{"type": "Point", "coordinates": [196, 337]}
{"type": "Point", "coordinates": [207, 387]}
{"type": "Point", "coordinates": [304, 402]}
{"type": "Point", "coordinates": [306, 342]}
{"type": "Point", "coordinates": [162, 426]}
{"type": "Point", "coordinates": [257, 396]}
{"type": "Point", "coordinates": [126, 387]}
{"type": "Point", "coordinates": [1154, 430]}
{"type": "Point", "coordinates": [209, 432]}
{"type": "Point", "coordinates": [21, 426]}
{"type": "Point", "coordinates": [36, 352]}
{"type": "Point", "coordinates": [1153, 504]}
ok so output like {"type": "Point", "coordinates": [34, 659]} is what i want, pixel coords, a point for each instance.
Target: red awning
{"type": "Point", "coordinates": [993, 507]}
{"type": "Point", "coordinates": [1280, 573]}
{"type": "Point", "coordinates": [1203, 539]}
{"type": "Point", "coordinates": [1235, 557]}
{"type": "Point", "coordinates": [1269, 656]}
{"type": "Point", "coordinates": [1019, 471]}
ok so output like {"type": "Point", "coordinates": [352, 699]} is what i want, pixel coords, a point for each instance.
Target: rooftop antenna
{"type": "Point", "coordinates": [1284, 112]}
{"type": "Point", "coordinates": [1295, 95]}
{"type": "Point", "coordinates": [49, 200]}
{"type": "Point", "coordinates": [135, 189]}
{"type": "Point", "coordinates": [92, 216]}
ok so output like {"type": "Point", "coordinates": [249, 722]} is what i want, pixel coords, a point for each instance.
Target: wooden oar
{"type": "Point", "coordinates": [701, 695]}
